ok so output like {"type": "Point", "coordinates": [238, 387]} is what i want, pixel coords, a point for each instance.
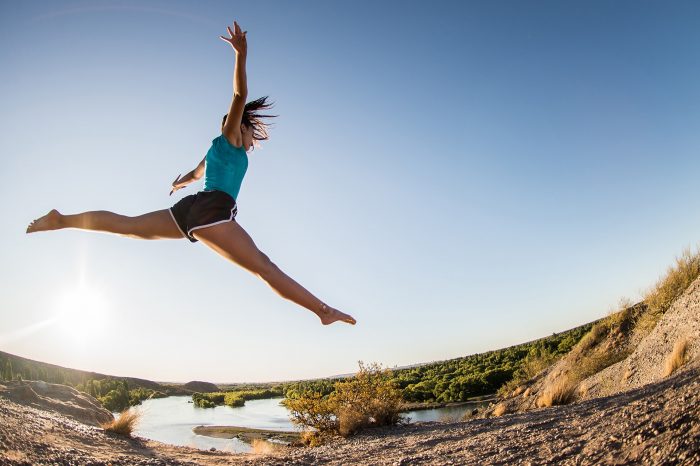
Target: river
{"type": "Point", "coordinates": [170, 420]}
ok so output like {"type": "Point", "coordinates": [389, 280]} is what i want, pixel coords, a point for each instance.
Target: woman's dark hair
{"type": "Point", "coordinates": [253, 118]}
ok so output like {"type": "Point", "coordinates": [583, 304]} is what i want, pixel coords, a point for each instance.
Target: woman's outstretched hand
{"type": "Point", "coordinates": [175, 185]}
{"type": "Point", "coordinates": [236, 39]}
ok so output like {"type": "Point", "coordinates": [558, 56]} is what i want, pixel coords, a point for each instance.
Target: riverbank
{"type": "Point", "coordinates": [248, 434]}
{"type": "Point", "coordinates": [476, 401]}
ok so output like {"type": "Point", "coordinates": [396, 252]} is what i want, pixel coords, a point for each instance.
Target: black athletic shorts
{"type": "Point", "coordinates": [201, 210]}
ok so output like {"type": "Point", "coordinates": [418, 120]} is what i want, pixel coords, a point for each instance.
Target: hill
{"type": "Point", "coordinates": [638, 345]}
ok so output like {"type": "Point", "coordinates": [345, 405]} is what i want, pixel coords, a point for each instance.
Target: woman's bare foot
{"type": "Point", "coordinates": [328, 315]}
{"type": "Point", "coordinates": [50, 221]}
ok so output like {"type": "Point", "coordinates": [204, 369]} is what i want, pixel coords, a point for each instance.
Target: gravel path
{"type": "Point", "coordinates": [654, 424]}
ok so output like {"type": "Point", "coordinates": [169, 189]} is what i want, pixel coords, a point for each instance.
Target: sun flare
{"type": "Point", "coordinates": [82, 311]}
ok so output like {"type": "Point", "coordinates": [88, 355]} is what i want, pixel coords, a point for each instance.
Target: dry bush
{"type": "Point", "coordinates": [527, 392]}
{"type": "Point", "coordinates": [677, 279]}
{"type": "Point", "coordinates": [560, 392]}
{"type": "Point", "coordinates": [369, 398]}
{"type": "Point", "coordinates": [125, 424]}
{"type": "Point", "coordinates": [312, 438]}
{"type": "Point", "coordinates": [500, 410]}
{"type": "Point", "coordinates": [582, 390]}
{"type": "Point", "coordinates": [677, 358]}
{"type": "Point", "coordinates": [519, 390]}
{"type": "Point", "coordinates": [351, 420]}
{"type": "Point", "coordinates": [263, 447]}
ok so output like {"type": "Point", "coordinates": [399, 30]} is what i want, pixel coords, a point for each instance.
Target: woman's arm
{"type": "Point", "coordinates": [232, 127]}
{"type": "Point", "coordinates": [194, 175]}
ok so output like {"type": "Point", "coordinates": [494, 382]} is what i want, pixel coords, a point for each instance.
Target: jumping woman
{"type": "Point", "coordinates": [209, 215]}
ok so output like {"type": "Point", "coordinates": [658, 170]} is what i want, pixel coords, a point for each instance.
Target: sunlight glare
{"type": "Point", "coordinates": [82, 311]}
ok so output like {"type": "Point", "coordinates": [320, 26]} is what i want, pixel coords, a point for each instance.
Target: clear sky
{"type": "Point", "coordinates": [459, 176]}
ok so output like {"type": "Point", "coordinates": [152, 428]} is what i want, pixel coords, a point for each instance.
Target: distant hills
{"type": "Point", "coordinates": [13, 367]}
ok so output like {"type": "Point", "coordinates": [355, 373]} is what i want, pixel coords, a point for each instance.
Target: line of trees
{"type": "Point", "coordinates": [235, 398]}
{"type": "Point", "coordinates": [115, 395]}
{"type": "Point", "coordinates": [462, 378]}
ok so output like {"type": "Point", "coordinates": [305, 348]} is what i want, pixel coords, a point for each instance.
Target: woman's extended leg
{"type": "Point", "coordinates": [232, 242]}
{"type": "Point", "coordinates": [154, 225]}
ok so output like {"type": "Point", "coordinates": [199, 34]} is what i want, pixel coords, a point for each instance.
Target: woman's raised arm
{"type": "Point", "coordinates": [232, 127]}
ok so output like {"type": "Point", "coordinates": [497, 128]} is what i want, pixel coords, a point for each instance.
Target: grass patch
{"type": "Point", "coordinates": [125, 424]}
{"type": "Point", "coordinates": [560, 392]}
{"type": "Point", "coordinates": [595, 363]}
{"type": "Point", "coordinates": [669, 288]}
{"type": "Point", "coordinates": [677, 358]}
{"type": "Point", "coordinates": [263, 447]}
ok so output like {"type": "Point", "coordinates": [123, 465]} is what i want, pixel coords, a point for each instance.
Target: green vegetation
{"type": "Point", "coordinates": [115, 394]}
{"type": "Point", "coordinates": [235, 398]}
{"type": "Point", "coordinates": [16, 368]}
{"type": "Point", "coordinates": [370, 398]}
{"type": "Point", "coordinates": [464, 378]}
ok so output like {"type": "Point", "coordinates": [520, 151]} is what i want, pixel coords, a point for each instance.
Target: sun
{"type": "Point", "coordinates": [82, 311]}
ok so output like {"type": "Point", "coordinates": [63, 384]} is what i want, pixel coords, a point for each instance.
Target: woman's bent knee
{"type": "Point", "coordinates": [267, 269]}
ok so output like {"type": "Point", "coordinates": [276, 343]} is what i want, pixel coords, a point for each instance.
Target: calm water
{"type": "Point", "coordinates": [170, 420]}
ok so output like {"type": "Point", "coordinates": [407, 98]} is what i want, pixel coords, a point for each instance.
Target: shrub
{"type": "Point", "coordinates": [313, 410]}
{"type": "Point", "coordinates": [677, 357]}
{"type": "Point", "coordinates": [124, 424]}
{"type": "Point", "coordinates": [370, 398]}
{"type": "Point", "coordinates": [263, 447]}
{"type": "Point", "coordinates": [560, 392]}
{"type": "Point", "coordinates": [207, 400]}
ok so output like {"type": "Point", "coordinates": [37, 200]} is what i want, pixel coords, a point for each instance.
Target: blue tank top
{"type": "Point", "coordinates": [225, 167]}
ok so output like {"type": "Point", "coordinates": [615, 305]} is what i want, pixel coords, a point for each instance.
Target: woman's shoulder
{"type": "Point", "coordinates": [222, 142]}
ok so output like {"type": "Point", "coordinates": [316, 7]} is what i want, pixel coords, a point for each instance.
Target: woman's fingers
{"type": "Point", "coordinates": [234, 34]}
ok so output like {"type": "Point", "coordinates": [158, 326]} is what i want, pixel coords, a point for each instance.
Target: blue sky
{"type": "Point", "coordinates": [459, 176]}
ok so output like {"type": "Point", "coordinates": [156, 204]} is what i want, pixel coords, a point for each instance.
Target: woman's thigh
{"type": "Point", "coordinates": [232, 242]}
{"type": "Point", "coordinates": [153, 225]}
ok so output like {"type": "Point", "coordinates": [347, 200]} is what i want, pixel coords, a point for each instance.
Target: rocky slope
{"type": "Point", "coordinates": [616, 356]}
{"type": "Point", "coordinates": [57, 398]}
